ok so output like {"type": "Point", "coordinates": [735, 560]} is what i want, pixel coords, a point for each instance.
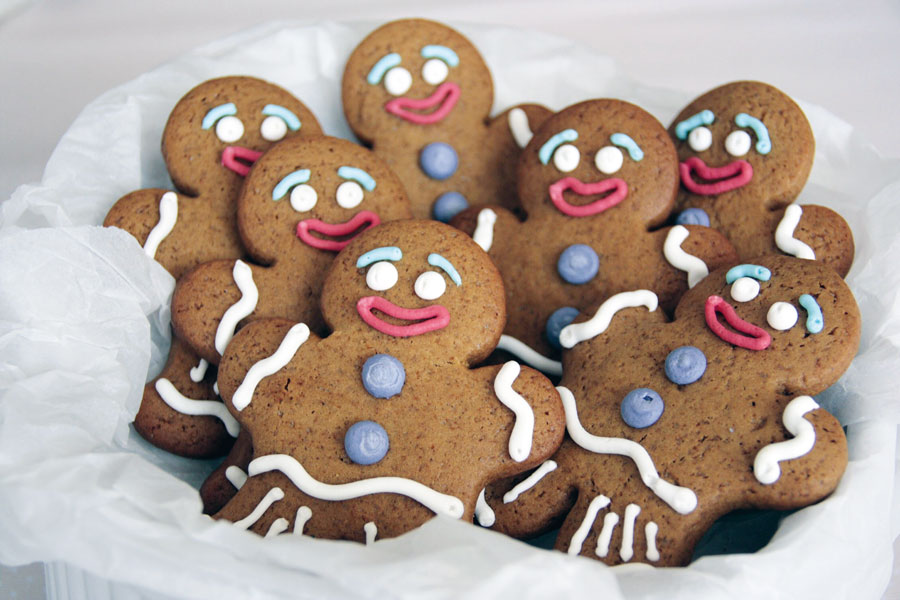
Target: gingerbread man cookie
{"type": "Point", "coordinates": [597, 181]}
{"type": "Point", "coordinates": [745, 152]}
{"type": "Point", "coordinates": [674, 424]}
{"type": "Point", "coordinates": [374, 429]}
{"type": "Point", "coordinates": [420, 95]}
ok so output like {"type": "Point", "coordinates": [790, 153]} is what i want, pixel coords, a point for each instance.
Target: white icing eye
{"type": "Point", "coordinates": [434, 71]}
{"type": "Point", "coordinates": [397, 81]}
{"type": "Point", "coordinates": [381, 276]}
{"type": "Point", "coordinates": [430, 285]}
{"type": "Point", "coordinates": [700, 139]}
{"type": "Point", "coordinates": [608, 160]}
{"type": "Point", "coordinates": [273, 128]}
{"type": "Point", "coordinates": [566, 158]}
{"type": "Point", "coordinates": [349, 194]}
{"type": "Point", "coordinates": [738, 143]}
{"type": "Point", "coordinates": [303, 197]}
{"type": "Point", "coordinates": [744, 289]}
{"type": "Point", "coordinates": [782, 316]}
{"type": "Point", "coordinates": [229, 129]}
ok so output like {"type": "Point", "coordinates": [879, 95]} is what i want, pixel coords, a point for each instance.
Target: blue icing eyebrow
{"type": "Point", "coordinates": [357, 175]}
{"type": "Point", "coordinates": [754, 271]}
{"type": "Point", "coordinates": [546, 151]}
{"type": "Point", "coordinates": [815, 322]}
{"type": "Point", "coordinates": [625, 141]}
{"type": "Point", "coordinates": [384, 253]}
{"type": "Point", "coordinates": [273, 110]}
{"type": "Point", "coordinates": [289, 181]}
{"type": "Point", "coordinates": [436, 260]}
{"type": "Point", "coordinates": [384, 63]}
{"type": "Point", "coordinates": [442, 52]}
{"type": "Point", "coordinates": [704, 117]}
{"type": "Point", "coordinates": [217, 113]}
{"type": "Point", "coordinates": [763, 143]}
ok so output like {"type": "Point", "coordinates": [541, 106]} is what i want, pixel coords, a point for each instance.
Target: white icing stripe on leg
{"type": "Point", "coordinates": [695, 268]}
{"type": "Point", "coordinates": [168, 215]}
{"type": "Point", "coordinates": [235, 476]}
{"type": "Point", "coordinates": [273, 496]}
{"type": "Point", "coordinates": [519, 127]}
{"type": "Point", "coordinates": [433, 500]}
{"type": "Point", "coordinates": [243, 277]}
{"type": "Point", "coordinates": [304, 514]}
{"type": "Point", "coordinates": [626, 552]}
{"type": "Point", "coordinates": [277, 527]}
{"type": "Point", "coordinates": [196, 408]}
{"type": "Point", "coordinates": [784, 234]}
{"type": "Point", "coordinates": [578, 332]}
{"type": "Point", "coordinates": [199, 372]}
{"type": "Point", "coordinates": [596, 505]}
{"type": "Point", "coordinates": [650, 531]}
{"type": "Point", "coordinates": [371, 532]}
{"type": "Point", "coordinates": [484, 514]}
{"type": "Point", "coordinates": [765, 465]}
{"type": "Point", "coordinates": [682, 499]}
{"type": "Point", "coordinates": [295, 337]}
{"type": "Point", "coordinates": [484, 231]}
{"type": "Point", "coordinates": [529, 355]}
{"type": "Point", "coordinates": [522, 435]}
{"type": "Point", "coordinates": [530, 481]}
{"type": "Point", "coordinates": [609, 524]}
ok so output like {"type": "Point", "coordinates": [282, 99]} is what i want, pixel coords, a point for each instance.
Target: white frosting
{"type": "Point", "coordinates": [784, 234]}
{"type": "Point", "coordinates": [371, 532]}
{"type": "Point", "coordinates": [433, 500]}
{"type": "Point", "coordinates": [188, 406]}
{"type": "Point", "coordinates": [782, 316]}
{"type": "Point", "coordinates": [273, 496]}
{"type": "Point", "coordinates": [304, 514]}
{"type": "Point", "coordinates": [430, 285]}
{"type": "Point", "coordinates": [199, 372]}
{"type": "Point", "coordinates": [744, 289]}
{"type": "Point", "coordinates": [382, 276]}
{"type": "Point", "coordinates": [484, 231]}
{"type": "Point", "coordinates": [236, 476]}
{"type": "Point", "coordinates": [519, 127]}
{"type": "Point", "coordinates": [529, 355]}
{"type": "Point", "coordinates": [738, 143]}
{"type": "Point", "coordinates": [609, 524]}
{"type": "Point", "coordinates": [520, 440]}
{"type": "Point", "coordinates": [243, 277]}
{"type": "Point", "coordinates": [295, 337]}
{"type": "Point", "coordinates": [484, 514]}
{"type": "Point", "coordinates": [681, 499]}
{"type": "Point", "coordinates": [650, 531]}
{"type": "Point", "coordinates": [529, 482]}
{"type": "Point", "coordinates": [578, 332]}
{"type": "Point", "coordinates": [168, 215]}
{"type": "Point", "coordinates": [626, 552]}
{"type": "Point", "coordinates": [277, 527]}
{"type": "Point", "coordinates": [608, 160]}
{"type": "Point", "coordinates": [695, 268]}
{"type": "Point", "coordinates": [765, 466]}
{"type": "Point", "coordinates": [596, 505]}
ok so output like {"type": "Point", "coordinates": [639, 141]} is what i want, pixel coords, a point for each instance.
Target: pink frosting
{"type": "Point", "coordinates": [723, 179]}
{"type": "Point", "coordinates": [617, 187]}
{"type": "Point", "coordinates": [444, 98]}
{"type": "Point", "coordinates": [429, 318]}
{"type": "Point", "coordinates": [747, 335]}
{"type": "Point", "coordinates": [365, 219]}
{"type": "Point", "coordinates": [235, 158]}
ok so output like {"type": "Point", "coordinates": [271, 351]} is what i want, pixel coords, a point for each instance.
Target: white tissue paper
{"type": "Point", "coordinates": [84, 322]}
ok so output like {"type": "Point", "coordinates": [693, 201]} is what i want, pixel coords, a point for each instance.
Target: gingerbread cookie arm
{"type": "Point", "coordinates": [486, 224]}
{"type": "Point", "coordinates": [691, 252]}
{"type": "Point", "coordinates": [812, 230]}
{"type": "Point", "coordinates": [150, 215]}
{"type": "Point", "coordinates": [229, 477]}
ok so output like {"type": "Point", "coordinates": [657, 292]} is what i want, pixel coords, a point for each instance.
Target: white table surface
{"type": "Point", "coordinates": [58, 55]}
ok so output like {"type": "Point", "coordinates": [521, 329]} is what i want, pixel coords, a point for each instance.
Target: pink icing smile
{"type": "Point", "coordinates": [719, 179]}
{"type": "Point", "coordinates": [746, 335]}
{"type": "Point", "coordinates": [444, 99]}
{"type": "Point", "coordinates": [617, 187]}
{"type": "Point", "coordinates": [365, 219]}
{"type": "Point", "coordinates": [239, 159]}
{"type": "Point", "coordinates": [428, 318]}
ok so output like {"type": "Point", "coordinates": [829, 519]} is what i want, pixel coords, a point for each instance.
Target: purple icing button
{"type": "Point", "coordinates": [448, 205]}
{"type": "Point", "coordinates": [578, 264]}
{"type": "Point", "coordinates": [366, 442]}
{"type": "Point", "coordinates": [555, 323]}
{"type": "Point", "coordinates": [692, 216]}
{"type": "Point", "coordinates": [685, 365]}
{"type": "Point", "coordinates": [642, 408]}
{"type": "Point", "coordinates": [383, 376]}
{"type": "Point", "coordinates": [438, 160]}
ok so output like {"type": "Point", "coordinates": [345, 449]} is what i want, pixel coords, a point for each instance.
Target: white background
{"type": "Point", "coordinates": [57, 55]}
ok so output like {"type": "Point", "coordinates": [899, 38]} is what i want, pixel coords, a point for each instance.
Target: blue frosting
{"type": "Point", "coordinates": [438, 160]}
{"type": "Point", "coordinates": [366, 442]}
{"type": "Point", "coordinates": [555, 323]}
{"type": "Point", "coordinates": [685, 365]}
{"type": "Point", "coordinates": [692, 216]}
{"type": "Point", "coordinates": [448, 205]}
{"type": "Point", "coordinates": [383, 376]}
{"type": "Point", "coordinates": [578, 264]}
{"type": "Point", "coordinates": [642, 408]}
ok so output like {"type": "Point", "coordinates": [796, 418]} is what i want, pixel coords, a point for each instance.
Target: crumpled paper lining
{"type": "Point", "coordinates": [84, 319]}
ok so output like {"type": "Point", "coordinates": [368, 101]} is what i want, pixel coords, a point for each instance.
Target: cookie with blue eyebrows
{"type": "Point", "coordinates": [597, 181]}
{"type": "Point", "coordinates": [386, 422]}
{"type": "Point", "coordinates": [745, 152]}
{"type": "Point", "coordinates": [673, 424]}
{"type": "Point", "coordinates": [420, 94]}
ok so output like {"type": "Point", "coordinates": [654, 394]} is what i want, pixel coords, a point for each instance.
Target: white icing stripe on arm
{"type": "Point", "coordinates": [609, 524]}
{"type": "Point", "coordinates": [304, 514]}
{"type": "Point", "coordinates": [529, 355]}
{"type": "Point", "coordinates": [295, 337]}
{"type": "Point", "coordinates": [273, 496]}
{"type": "Point", "coordinates": [522, 435]}
{"type": "Point", "coordinates": [197, 408]}
{"type": "Point", "coordinates": [579, 332]}
{"type": "Point", "coordinates": [243, 277]}
{"type": "Point", "coordinates": [784, 234]}
{"type": "Point", "coordinates": [650, 531]}
{"type": "Point", "coordinates": [695, 268]}
{"type": "Point", "coordinates": [168, 215]}
{"type": "Point", "coordinates": [484, 514]}
{"type": "Point", "coordinates": [199, 372]}
{"type": "Point", "coordinates": [484, 231]}
{"type": "Point", "coordinates": [277, 527]}
{"type": "Point", "coordinates": [596, 505]}
{"type": "Point", "coordinates": [431, 499]}
{"type": "Point", "coordinates": [765, 465]}
{"type": "Point", "coordinates": [682, 499]}
{"type": "Point", "coordinates": [371, 532]}
{"type": "Point", "coordinates": [530, 481]}
{"type": "Point", "coordinates": [235, 476]}
{"type": "Point", "coordinates": [519, 127]}
{"type": "Point", "coordinates": [626, 552]}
